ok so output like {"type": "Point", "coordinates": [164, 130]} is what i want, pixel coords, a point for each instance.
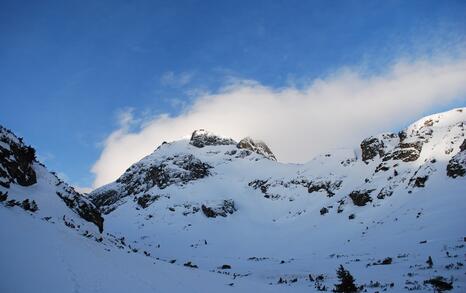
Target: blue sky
{"type": "Point", "coordinates": [68, 69]}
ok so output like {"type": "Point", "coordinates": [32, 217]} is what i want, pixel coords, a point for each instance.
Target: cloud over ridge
{"type": "Point", "coordinates": [297, 123]}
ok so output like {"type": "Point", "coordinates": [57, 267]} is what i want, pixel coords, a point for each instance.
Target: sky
{"type": "Point", "coordinates": [96, 85]}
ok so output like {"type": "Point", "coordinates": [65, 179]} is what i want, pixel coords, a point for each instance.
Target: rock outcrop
{"type": "Point", "coordinates": [371, 147]}
{"type": "Point", "coordinates": [223, 209]}
{"type": "Point", "coordinates": [457, 165]}
{"type": "Point", "coordinates": [201, 138]}
{"type": "Point", "coordinates": [256, 146]}
{"type": "Point", "coordinates": [16, 160]}
{"type": "Point", "coordinates": [18, 165]}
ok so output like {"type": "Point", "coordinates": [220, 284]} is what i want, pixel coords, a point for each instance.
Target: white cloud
{"type": "Point", "coordinates": [335, 111]}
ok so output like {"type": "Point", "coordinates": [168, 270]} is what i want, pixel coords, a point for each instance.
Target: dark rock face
{"type": "Point", "coordinates": [179, 169]}
{"type": "Point", "coordinates": [371, 147]}
{"type": "Point", "coordinates": [105, 198]}
{"type": "Point", "coordinates": [16, 160]}
{"type": "Point", "coordinates": [82, 206]}
{"type": "Point", "coordinates": [456, 168]}
{"type": "Point", "coordinates": [463, 146]}
{"type": "Point", "coordinates": [201, 138]}
{"type": "Point", "coordinates": [407, 152]}
{"type": "Point", "coordinates": [361, 197]}
{"type": "Point", "coordinates": [457, 165]}
{"type": "Point", "coordinates": [222, 210]}
{"type": "Point", "coordinates": [258, 147]}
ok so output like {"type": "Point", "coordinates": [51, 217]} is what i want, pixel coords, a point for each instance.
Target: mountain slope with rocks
{"type": "Point", "coordinates": [381, 209]}
{"type": "Point", "coordinates": [53, 239]}
{"type": "Point", "coordinates": [213, 214]}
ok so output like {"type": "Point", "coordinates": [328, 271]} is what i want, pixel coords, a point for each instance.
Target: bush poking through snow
{"type": "Point", "coordinates": [440, 284]}
{"type": "Point", "coordinates": [346, 284]}
{"type": "Point", "coordinates": [429, 262]}
{"type": "Point", "coordinates": [190, 265]}
{"type": "Point", "coordinates": [323, 211]}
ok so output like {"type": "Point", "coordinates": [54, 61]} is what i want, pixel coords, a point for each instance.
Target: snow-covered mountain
{"type": "Point", "coordinates": [233, 215]}
{"type": "Point", "coordinates": [26, 184]}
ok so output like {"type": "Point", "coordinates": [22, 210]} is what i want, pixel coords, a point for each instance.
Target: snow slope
{"type": "Point", "coordinates": [43, 257]}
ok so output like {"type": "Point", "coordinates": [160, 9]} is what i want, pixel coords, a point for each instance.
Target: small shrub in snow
{"type": "Point", "coordinates": [429, 262]}
{"type": "Point", "coordinates": [440, 284]}
{"type": "Point", "coordinates": [190, 265]}
{"type": "Point", "coordinates": [323, 211]}
{"type": "Point", "coordinates": [12, 203]}
{"type": "Point", "coordinates": [3, 196]}
{"type": "Point", "coordinates": [346, 284]}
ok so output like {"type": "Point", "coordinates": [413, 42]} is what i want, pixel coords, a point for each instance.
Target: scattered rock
{"type": "Point", "coordinates": [146, 200]}
{"type": "Point", "coordinates": [190, 265]}
{"type": "Point", "coordinates": [361, 197]}
{"type": "Point", "coordinates": [227, 207]}
{"type": "Point", "coordinates": [323, 211]}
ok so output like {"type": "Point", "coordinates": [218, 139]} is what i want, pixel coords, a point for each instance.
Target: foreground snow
{"type": "Point", "coordinates": [44, 257]}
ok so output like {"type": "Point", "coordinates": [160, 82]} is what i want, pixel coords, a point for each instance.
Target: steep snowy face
{"type": "Point", "coordinates": [25, 183]}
